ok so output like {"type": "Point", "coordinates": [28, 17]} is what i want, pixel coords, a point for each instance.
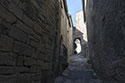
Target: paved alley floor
{"type": "Point", "coordinates": [77, 73]}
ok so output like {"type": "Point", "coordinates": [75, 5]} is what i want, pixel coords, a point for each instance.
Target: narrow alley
{"type": "Point", "coordinates": [62, 41]}
{"type": "Point", "coordinates": [78, 71]}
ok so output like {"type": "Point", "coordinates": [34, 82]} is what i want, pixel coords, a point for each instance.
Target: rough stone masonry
{"type": "Point", "coordinates": [29, 34]}
{"type": "Point", "coordinates": [106, 36]}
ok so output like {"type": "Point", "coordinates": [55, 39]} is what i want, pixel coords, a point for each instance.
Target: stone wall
{"type": "Point", "coordinates": [62, 39]}
{"type": "Point", "coordinates": [106, 37]}
{"type": "Point", "coordinates": [70, 36]}
{"type": "Point", "coordinates": [29, 40]}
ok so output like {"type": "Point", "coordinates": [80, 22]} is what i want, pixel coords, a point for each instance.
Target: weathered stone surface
{"type": "Point", "coordinates": [106, 38]}
{"type": "Point", "coordinates": [35, 69]}
{"type": "Point", "coordinates": [40, 62]}
{"type": "Point", "coordinates": [24, 27]}
{"type": "Point", "coordinates": [29, 61]}
{"type": "Point", "coordinates": [36, 77]}
{"type": "Point", "coordinates": [22, 49]}
{"type": "Point", "coordinates": [24, 78]}
{"type": "Point", "coordinates": [20, 60]}
{"type": "Point", "coordinates": [18, 34]}
{"type": "Point", "coordinates": [6, 43]}
{"type": "Point", "coordinates": [8, 58]}
{"type": "Point", "coordinates": [22, 69]}
{"type": "Point", "coordinates": [15, 10]}
{"type": "Point", "coordinates": [7, 70]}
{"type": "Point", "coordinates": [7, 15]}
{"type": "Point", "coordinates": [30, 35]}
{"type": "Point", "coordinates": [8, 78]}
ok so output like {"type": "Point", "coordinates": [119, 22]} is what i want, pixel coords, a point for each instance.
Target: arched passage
{"type": "Point", "coordinates": [77, 45]}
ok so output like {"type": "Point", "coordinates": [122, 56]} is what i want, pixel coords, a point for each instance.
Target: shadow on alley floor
{"type": "Point", "coordinates": [77, 72]}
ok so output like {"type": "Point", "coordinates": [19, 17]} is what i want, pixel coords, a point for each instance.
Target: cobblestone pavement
{"type": "Point", "coordinates": [77, 73]}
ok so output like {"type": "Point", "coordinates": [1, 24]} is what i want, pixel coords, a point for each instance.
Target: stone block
{"type": "Point", "coordinates": [24, 27]}
{"type": "Point", "coordinates": [5, 3]}
{"type": "Point", "coordinates": [22, 70]}
{"type": "Point", "coordinates": [41, 46]}
{"type": "Point", "coordinates": [4, 28]}
{"type": "Point", "coordinates": [8, 59]}
{"type": "Point", "coordinates": [17, 2]}
{"type": "Point", "coordinates": [29, 22]}
{"type": "Point", "coordinates": [35, 69]}
{"type": "Point", "coordinates": [24, 78]}
{"type": "Point", "coordinates": [22, 49]}
{"type": "Point", "coordinates": [37, 28]}
{"type": "Point", "coordinates": [6, 43]}
{"type": "Point", "coordinates": [45, 56]}
{"type": "Point", "coordinates": [7, 70]}
{"type": "Point", "coordinates": [20, 60]}
{"type": "Point", "coordinates": [40, 62]}
{"type": "Point", "coordinates": [40, 55]}
{"type": "Point", "coordinates": [34, 43]}
{"type": "Point", "coordinates": [16, 10]}
{"type": "Point", "coordinates": [34, 54]}
{"type": "Point", "coordinates": [36, 77]}
{"type": "Point", "coordinates": [18, 34]}
{"type": "Point", "coordinates": [34, 37]}
{"type": "Point", "coordinates": [28, 61]}
{"type": "Point", "coordinates": [8, 78]}
{"type": "Point", "coordinates": [7, 15]}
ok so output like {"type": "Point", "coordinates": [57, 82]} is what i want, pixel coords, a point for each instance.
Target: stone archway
{"type": "Point", "coordinates": [77, 46]}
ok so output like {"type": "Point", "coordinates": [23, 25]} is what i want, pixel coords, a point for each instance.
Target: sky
{"type": "Point", "coordinates": [73, 7]}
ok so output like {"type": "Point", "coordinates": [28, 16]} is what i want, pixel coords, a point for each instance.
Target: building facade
{"type": "Point", "coordinates": [66, 36]}
{"type": "Point", "coordinates": [80, 25]}
{"type": "Point", "coordinates": [80, 32]}
{"type": "Point", "coordinates": [33, 40]}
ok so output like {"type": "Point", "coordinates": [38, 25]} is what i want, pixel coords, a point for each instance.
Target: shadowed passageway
{"type": "Point", "coordinates": [37, 41]}
{"type": "Point", "coordinates": [77, 72]}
